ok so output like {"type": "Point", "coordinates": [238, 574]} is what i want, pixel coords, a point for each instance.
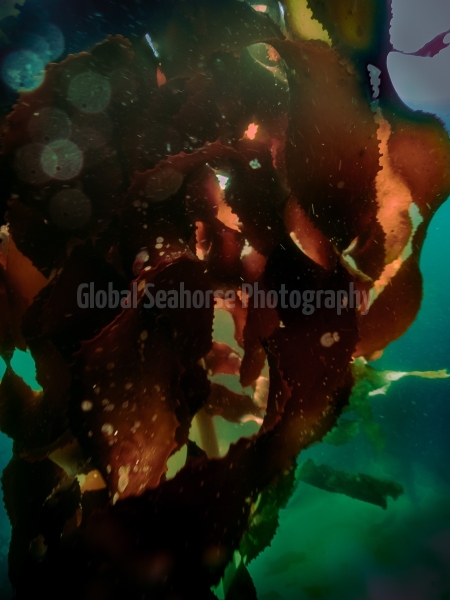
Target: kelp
{"type": "Point", "coordinates": [358, 486]}
{"type": "Point", "coordinates": [117, 165]}
{"type": "Point", "coordinates": [265, 514]}
{"type": "Point", "coordinates": [358, 414]}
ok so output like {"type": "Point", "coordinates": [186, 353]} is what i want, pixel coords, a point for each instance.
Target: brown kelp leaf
{"type": "Point", "coordinates": [224, 255]}
{"type": "Point", "coordinates": [145, 111]}
{"type": "Point", "coordinates": [392, 313]}
{"type": "Point", "coordinates": [222, 359]}
{"type": "Point", "coordinates": [187, 517]}
{"type": "Point", "coordinates": [197, 519]}
{"type": "Point", "coordinates": [333, 173]}
{"type": "Point", "coordinates": [204, 197]}
{"type": "Point", "coordinates": [196, 388]}
{"type": "Point", "coordinates": [230, 405]}
{"type": "Point", "coordinates": [154, 207]}
{"type": "Point", "coordinates": [35, 237]}
{"type": "Point", "coordinates": [25, 489]}
{"type": "Point", "coordinates": [67, 311]}
{"type": "Point", "coordinates": [314, 345]}
{"type": "Point", "coordinates": [405, 209]}
{"type": "Point", "coordinates": [352, 26]}
{"type": "Point", "coordinates": [368, 252]}
{"type": "Point", "coordinates": [233, 94]}
{"type": "Point", "coordinates": [125, 397]}
{"type": "Point", "coordinates": [10, 337]}
{"type": "Point", "coordinates": [187, 283]}
{"type": "Point", "coordinates": [306, 235]}
{"type": "Point", "coordinates": [239, 315]}
{"type": "Point", "coordinates": [300, 23]}
{"type": "Point", "coordinates": [419, 151]}
{"type": "Point", "coordinates": [393, 197]}
{"type": "Point", "coordinates": [20, 283]}
{"type": "Point", "coordinates": [279, 393]}
{"type": "Point", "coordinates": [199, 119]}
{"type": "Point", "coordinates": [23, 280]}
{"type": "Point", "coordinates": [154, 234]}
{"type": "Point", "coordinates": [195, 499]}
{"type": "Point", "coordinates": [255, 194]}
{"type": "Point", "coordinates": [32, 419]}
{"type": "Point", "coordinates": [358, 30]}
{"type": "Point", "coordinates": [255, 182]}
{"type": "Point", "coordinates": [261, 322]}
{"type": "Point", "coordinates": [200, 28]}
{"type": "Point", "coordinates": [58, 517]}
{"type": "Point", "coordinates": [264, 95]}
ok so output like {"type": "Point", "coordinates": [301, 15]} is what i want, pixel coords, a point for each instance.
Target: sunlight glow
{"type": "Point", "coordinates": [223, 180]}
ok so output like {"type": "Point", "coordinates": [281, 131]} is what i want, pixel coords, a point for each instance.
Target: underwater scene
{"type": "Point", "coordinates": [225, 299]}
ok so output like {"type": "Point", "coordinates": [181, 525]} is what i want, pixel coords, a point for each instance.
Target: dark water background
{"type": "Point", "coordinates": [329, 546]}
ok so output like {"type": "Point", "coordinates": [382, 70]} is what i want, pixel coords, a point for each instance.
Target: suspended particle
{"type": "Point", "coordinates": [255, 164]}
{"type": "Point", "coordinates": [70, 209]}
{"type": "Point", "coordinates": [327, 340]}
{"type": "Point", "coordinates": [107, 429]}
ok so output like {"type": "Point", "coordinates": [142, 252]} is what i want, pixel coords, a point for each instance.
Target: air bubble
{"type": "Point", "coordinates": [62, 159]}
{"type": "Point", "coordinates": [54, 38]}
{"type": "Point", "coordinates": [90, 92]}
{"type": "Point", "coordinates": [45, 40]}
{"type": "Point", "coordinates": [48, 125]}
{"type": "Point", "coordinates": [27, 164]}
{"type": "Point", "coordinates": [70, 209]}
{"type": "Point", "coordinates": [35, 43]}
{"type": "Point", "coordinates": [91, 131]}
{"type": "Point", "coordinates": [23, 70]}
{"type": "Point", "coordinates": [165, 184]}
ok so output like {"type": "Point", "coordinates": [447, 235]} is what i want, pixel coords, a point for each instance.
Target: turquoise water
{"type": "Point", "coordinates": [23, 365]}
